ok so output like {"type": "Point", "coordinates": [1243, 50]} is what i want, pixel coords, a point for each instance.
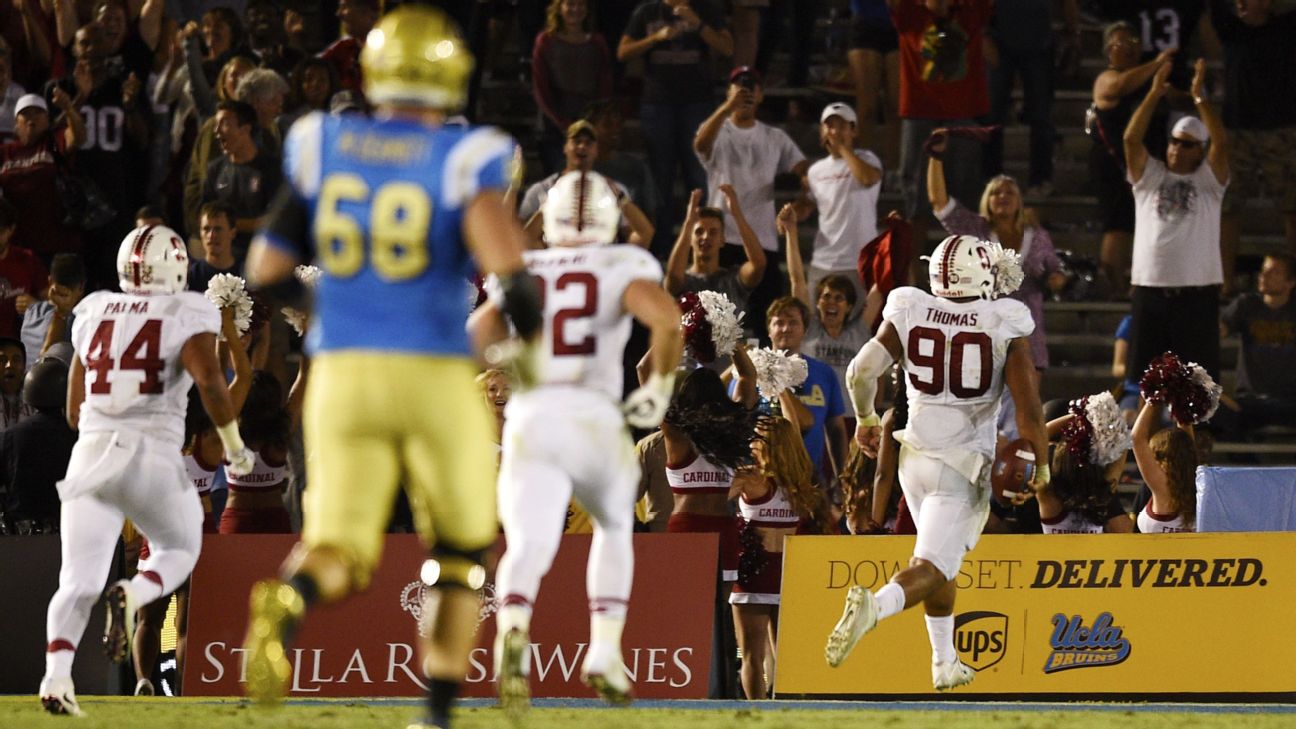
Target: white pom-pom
{"type": "Point", "coordinates": [1111, 434]}
{"type": "Point", "coordinates": [726, 322]}
{"type": "Point", "coordinates": [1211, 390]}
{"type": "Point", "coordinates": [776, 371]}
{"type": "Point", "coordinates": [296, 319]}
{"type": "Point", "coordinates": [225, 290]}
{"type": "Point", "coordinates": [1006, 264]}
{"type": "Point", "coordinates": [308, 275]}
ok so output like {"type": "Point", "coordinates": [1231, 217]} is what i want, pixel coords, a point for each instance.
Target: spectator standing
{"type": "Point", "coordinates": [221, 33]}
{"type": "Point", "coordinates": [1023, 45]}
{"type": "Point", "coordinates": [625, 168]}
{"type": "Point", "coordinates": [28, 167]}
{"type": "Point", "coordinates": [128, 47]}
{"type": "Point", "coordinates": [703, 235]}
{"type": "Point", "coordinates": [22, 275]}
{"type": "Point", "coordinates": [358, 17]}
{"type": "Point", "coordinates": [216, 230]}
{"type": "Point", "coordinates": [266, 39]}
{"type": "Point", "coordinates": [35, 452]}
{"type": "Point", "coordinates": [676, 39]}
{"type": "Point", "coordinates": [1259, 112]}
{"type": "Point", "coordinates": [113, 153]}
{"type": "Point", "coordinates": [571, 66]}
{"type": "Point", "coordinates": [1005, 220]}
{"type": "Point", "coordinates": [1116, 93]}
{"type": "Point", "coordinates": [265, 91]}
{"type": "Point", "coordinates": [874, 59]}
{"type": "Point", "coordinates": [844, 188]}
{"type": "Point", "coordinates": [1163, 25]}
{"type": "Point", "coordinates": [738, 150]}
{"type": "Point", "coordinates": [204, 147]}
{"type": "Point", "coordinates": [243, 176]}
{"type": "Point", "coordinates": [46, 323]}
{"type": "Point", "coordinates": [311, 87]}
{"type": "Point", "coordinates": [1266, 322]}
{"type": "Point", "coordinates": [10, 93]}
{"type": "Point", "coordinates": [942, 84]}
{"type": "Point", "coordinates": [1177, 269]}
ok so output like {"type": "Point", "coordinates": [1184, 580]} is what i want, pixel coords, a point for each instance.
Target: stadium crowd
{"type": "Point", "coordinates": [122, 113]}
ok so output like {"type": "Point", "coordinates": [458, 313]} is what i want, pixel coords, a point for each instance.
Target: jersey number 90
{"type": "Point", "coordinates": [935, 361]}
{"type": "Point", "coordinates": [400, 214]}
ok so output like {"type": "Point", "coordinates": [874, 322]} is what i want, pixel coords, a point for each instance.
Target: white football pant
{"type": "Point", "coordinates": [948, 510]}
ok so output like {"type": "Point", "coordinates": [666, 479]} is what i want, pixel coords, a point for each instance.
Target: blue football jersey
{"type": "Point", "coordinates": [385, 202]}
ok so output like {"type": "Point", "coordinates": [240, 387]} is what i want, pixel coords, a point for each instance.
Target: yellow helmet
{"type": "Point", "coordinates": [416, 56]}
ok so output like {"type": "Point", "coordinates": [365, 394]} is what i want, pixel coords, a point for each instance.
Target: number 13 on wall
{"type": "Point", "coordinates": [400, 215]}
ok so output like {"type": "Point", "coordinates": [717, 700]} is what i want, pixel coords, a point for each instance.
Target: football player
{"type": "Point", "coordinates": [394, 210]}
{"type": "Point", "coordinates": [567, 435]}
{"type": "Point", "coordinates": [137, 354]}
{"type": "Point", "coordinates": [959, 348]}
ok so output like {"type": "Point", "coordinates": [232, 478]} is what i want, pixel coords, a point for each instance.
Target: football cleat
{"type": "Point", "coordinates": [120, 624]}
{"type": "Point", "coordinates": [609, 680]}
{"type": "Point", "coordinates": [512, 649]}
{"type": "Point", "coordinates": [58, 696]}
{"type": "Point", "coordinates": [946, 676]}
{"type": "Point", "coordinates": [274, 607]}
{"type": "Point", "coordinates": [859, 617]}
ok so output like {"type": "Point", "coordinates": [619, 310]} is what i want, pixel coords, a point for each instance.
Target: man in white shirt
{"type": "Point", "coordinates": [844, 188]}
{"type": "Point", "coordinates": [1177, 268]}
{"type": "Point", "coordinates": [736, 149]}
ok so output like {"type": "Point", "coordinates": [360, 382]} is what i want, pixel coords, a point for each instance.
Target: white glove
{"type": "Point", "coordinates": [646, 406]}
{"type": "Point", "coordinates": [240, 462]}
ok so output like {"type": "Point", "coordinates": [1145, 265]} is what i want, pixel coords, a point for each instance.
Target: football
{"type": "Point", "coordinates": [1013, 469]}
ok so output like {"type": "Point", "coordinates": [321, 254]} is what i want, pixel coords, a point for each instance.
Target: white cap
{"type": "Point", "coordinates": [837, 108]}
{"type": "Point", "coordinates": [1191, 126]}
{"type": "Point", "coordinates": [27, 101]}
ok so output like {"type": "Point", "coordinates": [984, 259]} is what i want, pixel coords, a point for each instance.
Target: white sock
{"type": "Point", "coordinates": [941, 632]}
{"type": "Point", "coordinates": [144, 590]}
{"type": "Point", "coordinates": [890, 599]}
{"type": "Point", "coordinates": [513, 616]}
{"type": "Point", "coordinates": [58, 664]}
{"type": "Point", "coordinates": [605, 636]}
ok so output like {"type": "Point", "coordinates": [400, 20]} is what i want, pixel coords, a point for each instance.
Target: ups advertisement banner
{"type": "Point", "coordinates": [1083, 616]}
{"type": "Point", "coordinates": [368, 645]}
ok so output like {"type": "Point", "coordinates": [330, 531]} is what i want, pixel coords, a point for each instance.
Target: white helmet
{"type": "Point", "coordinates": [152, 259]}
{"type": "Point", "coordinates": [963, 265]}
{"type": "Point", "coordinates": [581, 208]}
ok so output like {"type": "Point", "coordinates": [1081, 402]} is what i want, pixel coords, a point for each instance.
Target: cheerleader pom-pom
{"type": "Point", "coordinates": [227, 290]}
{"type": "Point", "coordinates": [776, 371]}
{"type": "Point", "coordinates": [711, 325]}
{"type": "Point", "coordinates": [1008, 272]}
{"type": "Point", "coordinates": [1187, 389]}
{"type": "Point", "coordinates": [296, 319]}
{"type": "Point", "coordinates": [308, 275]}
{"type": "Point", "coordinates": [1098, 434]}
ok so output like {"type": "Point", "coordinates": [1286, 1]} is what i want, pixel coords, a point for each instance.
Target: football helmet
{"type": "Point", "coordinates": [963, 265]}
{"type": "Point", "coordinates": [416, 56]}
{"type": "Point", "coordinates": [153, 259]}
{"type": "Point", "coordinates": [581, 208]}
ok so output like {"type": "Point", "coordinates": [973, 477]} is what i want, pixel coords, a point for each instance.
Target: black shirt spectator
{"type": "Point", "coordinates": [243, 177]}
{"type": "Point", "coordinates": [35, 452]}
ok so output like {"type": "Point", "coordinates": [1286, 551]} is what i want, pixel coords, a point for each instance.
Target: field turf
{"type": "Point", "coordinates": [167, 713]}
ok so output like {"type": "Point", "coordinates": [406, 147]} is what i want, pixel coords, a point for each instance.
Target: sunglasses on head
{"type": "Point", "coordinates": [1185, 143]}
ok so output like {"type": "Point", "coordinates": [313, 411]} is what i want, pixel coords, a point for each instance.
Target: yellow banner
{"type": "Point", "coordinates": [1083, 615]}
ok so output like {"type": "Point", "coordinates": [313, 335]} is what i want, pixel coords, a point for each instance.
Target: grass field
{"type": "Point", "coordinates": [162, 713]}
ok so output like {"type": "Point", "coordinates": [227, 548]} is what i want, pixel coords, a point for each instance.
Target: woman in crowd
{"type": "Point", "coordinates": [1005, 220]}
{"type": "Point", "coordinates": [1167, 461]}
{"type": "Point", "coordinates": [496, 390]}
{"type": "Point", "coordinates": [777, 497]}
{"type": "Point", "coordinates": [571, 66]}
{"type": "Point", "coordinates": [312, 86]}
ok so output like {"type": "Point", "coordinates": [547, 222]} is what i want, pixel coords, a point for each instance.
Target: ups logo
{"type": "Point", "coordinates": [981, 638]}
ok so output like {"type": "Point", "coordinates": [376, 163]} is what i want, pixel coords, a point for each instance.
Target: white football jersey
{"type": "Point", "coordinates": [954, 356]}
{"type": "Point", "coordinates": [130, 346]}
{"type": "Point", "coordinates": [586, 324]}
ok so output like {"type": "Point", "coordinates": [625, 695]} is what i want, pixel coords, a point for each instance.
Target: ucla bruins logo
{"type": "Point", "coordinates": [1076, 645]}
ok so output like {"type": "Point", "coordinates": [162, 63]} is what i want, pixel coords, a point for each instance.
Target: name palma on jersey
{"type": "Point", "coordinates": [373, 148]}
{"type": "Point", "coordinates": [122, 307]}
{"type": "Point", "coordinates": [949, 318]}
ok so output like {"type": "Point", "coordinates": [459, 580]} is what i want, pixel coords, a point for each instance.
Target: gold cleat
{"type": "Point", "coordinates": [513, 649]}
{"type": "Point", "coordinates": [274, 607]}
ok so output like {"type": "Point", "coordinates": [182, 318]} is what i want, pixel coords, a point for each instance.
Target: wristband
{"type": "Point", "coordinates": [230, 437]}
{"type": "Point", "coordinates": [869, 421]}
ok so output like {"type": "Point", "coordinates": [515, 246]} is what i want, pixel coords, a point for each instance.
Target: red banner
{"type": "Point", "coordinates": [368, 645]}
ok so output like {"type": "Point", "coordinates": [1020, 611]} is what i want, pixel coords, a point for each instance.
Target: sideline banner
{"type": "Point", "coordinates": [1084, 617]}
{"type": "Point", "coordinates": [367, 646]}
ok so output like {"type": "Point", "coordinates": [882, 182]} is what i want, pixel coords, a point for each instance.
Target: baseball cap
{"type": "Point", "coordinates": [581, 126]}
{"type": "Point", "coordinates": [837, 108]}
{"type": "Point", "coordinates": [27, 101]}
{"type": "Point", "coordinates": [1191, 126]}
{"type": "Point", "coordinates": [741, 71]}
